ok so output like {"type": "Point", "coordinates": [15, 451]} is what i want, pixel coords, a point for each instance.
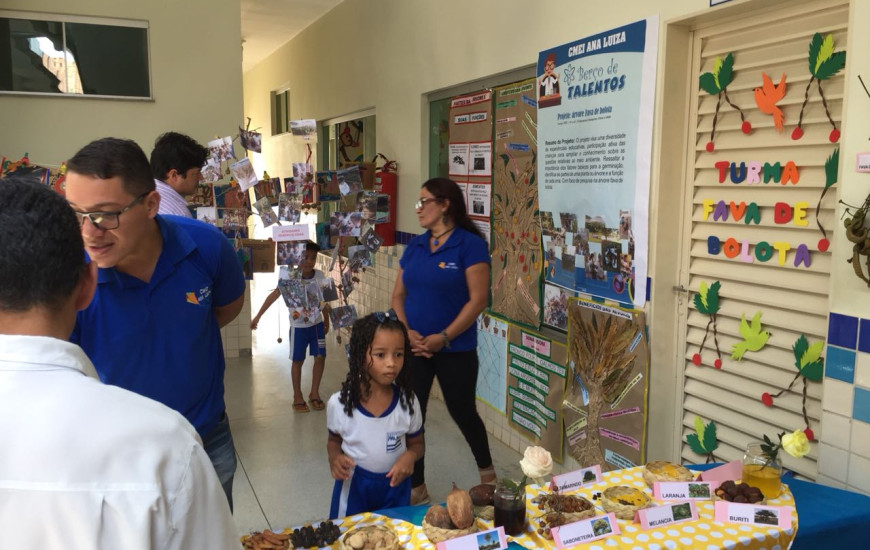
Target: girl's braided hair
{"type": "Point", "coordinates": [357, 386]}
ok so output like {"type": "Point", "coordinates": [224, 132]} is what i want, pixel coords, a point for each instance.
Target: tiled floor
{"type": "Point", "coordinates": [283, 476]}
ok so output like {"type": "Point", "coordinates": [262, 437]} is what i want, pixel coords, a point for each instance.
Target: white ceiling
{"type": "Point", "coordinates": [267, 24]}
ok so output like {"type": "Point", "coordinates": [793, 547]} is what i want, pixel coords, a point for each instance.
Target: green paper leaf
{"type": "Point", "coordinates": [713, 298]}
{"type": "Point", "coordinates": [814, 371]}
{"type": "Point", "coordinates": [708, 83]}
{"type": "Point", "coordinates": [815, 47]}
{"type": "Point", "coordinates": [701, 298]}
{"type": "Point", "coordinates": [831, 66]}
{"type": "Point", "coordinates": [695, 444]}
{"type": "Point", "coordinates": [711, 443]}
{"type": "Point", "coordinates": [799, 348]}
{"type": "Point", "coordinates": [726, 73]}
{"type": "Point", "coordinates": [699, 427]}
{"type": "Point", "coordinates": [825, 51]}
{"type": "Point", "coordinates": [505, 159]}
{"type": "Point", "coordinates": [812, 354]}
{"type": "Point", "coordinates": [717, 66]}
{"type": "Point", "coordinates": [832, 166]}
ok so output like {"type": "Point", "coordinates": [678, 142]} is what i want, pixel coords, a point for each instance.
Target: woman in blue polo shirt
{"type": "Point", "coordinates": [441, 288]}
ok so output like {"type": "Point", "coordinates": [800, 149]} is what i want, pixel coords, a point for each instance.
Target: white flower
{"type": "Point", "coordinates": [537, 463]}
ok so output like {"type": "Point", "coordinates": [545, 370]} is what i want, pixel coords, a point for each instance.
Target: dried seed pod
{"type": "Point", "coordinates": [460, 508]}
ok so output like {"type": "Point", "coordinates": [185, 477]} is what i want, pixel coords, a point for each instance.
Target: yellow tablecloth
{"type": "Point", "coordinates": [701, 534]}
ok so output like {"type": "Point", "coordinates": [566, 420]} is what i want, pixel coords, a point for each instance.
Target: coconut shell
{"type": "Point", "coordinates": [437, 516]}
{"type": "Point", "coordinates": [460, 508]}
{"type": "Point", "coordinates": [482, 495]}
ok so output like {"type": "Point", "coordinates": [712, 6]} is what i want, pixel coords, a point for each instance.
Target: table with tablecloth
{"type": "Point", "coordinates": [703, 533]}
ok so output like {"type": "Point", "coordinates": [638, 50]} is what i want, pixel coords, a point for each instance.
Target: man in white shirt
{"type": "Point", "coordinates": [176, 163]}
{"type": "Point", "coordinates": [84, 465]}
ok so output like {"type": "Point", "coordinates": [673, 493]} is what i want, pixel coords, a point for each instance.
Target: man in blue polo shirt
{"type": "Point", "coordinates": [165, 287]}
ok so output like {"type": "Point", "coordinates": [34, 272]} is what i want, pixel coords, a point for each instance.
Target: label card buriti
{"type": "Point", "coordinates": [492, 539]}
{"type": "Point", "coordinates": [753, 514]}
{"type": "Point", "coordinates": [666, 514]}
{"type": "Point", "coordinates": [684, 490]}
{"type": "Point", "coordinates": [296, 232]}
{"type": "Point", "coordinates": [585, 530]}
{"type": "Point", "coordinates": [576, 479]}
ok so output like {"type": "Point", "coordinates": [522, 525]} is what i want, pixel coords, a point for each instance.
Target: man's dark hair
{"type": "Point", "coordinates": [174, 150]}
{"type": "Point", "coordinates": [112, 158]}
{"type": "Point", "coordinates": [41, 251]}
{"type": "Point", "coordinates": [311, 245]}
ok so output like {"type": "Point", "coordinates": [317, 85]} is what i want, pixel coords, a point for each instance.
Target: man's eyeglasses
{"type": "Point", "coordinates": [108, 220]}
{"type": "Point", "coordinates": [422, 202]}
{"type": "Point", "coordinates": [383, 316]}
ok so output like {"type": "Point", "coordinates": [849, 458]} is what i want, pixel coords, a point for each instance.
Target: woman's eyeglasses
{"type": "Point", "coordinates": [424, 201]}
{"type": "Point", "coordinates": [108, 220]}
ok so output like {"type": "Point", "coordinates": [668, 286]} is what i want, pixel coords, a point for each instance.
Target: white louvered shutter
{"type": "Point", "coordinates": [793, 300]}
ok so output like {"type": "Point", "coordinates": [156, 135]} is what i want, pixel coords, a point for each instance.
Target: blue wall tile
{"type": "Point", "coordinates": [843, 330]}
{"type": "Point", "coordinates": [840, 364]}
{"type": "Point", "coordinates": [864, 335]}
{"type": "Point", "coordinates": [861, 406]}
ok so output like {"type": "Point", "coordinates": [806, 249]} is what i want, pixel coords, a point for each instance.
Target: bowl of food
{"type": "Point", "coordinates": [660, 470]}
{"type": "Point", "coordinates": [369, 537]}
{"type": "Point", "coordinates": [737, 491]}
{"type": "Point", "coordinates": [624, 501]}
{"type": "Point", "coordinates": [558, 509]}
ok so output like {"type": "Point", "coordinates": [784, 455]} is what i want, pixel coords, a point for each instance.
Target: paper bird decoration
{"type": "Point", "coordinates": [707, 302]}
{"type": "Point", "coordinates": [715, 83]}
{"type": "Point", "coordinates": [768, 96]}
{"type": "Point", "coordinates": [824, 63]}
{"type": "Point", "coordinates": [832, 168]}
{"type": "Point", "coordinates": [703, 441]}
{"type": "Point", "coordinates": [810, 366]}
{"type": "Point", "coordinates": [753, 337]}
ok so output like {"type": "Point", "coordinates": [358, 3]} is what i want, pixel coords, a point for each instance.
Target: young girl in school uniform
{"type": "Point", "coordinates": [375, 422]}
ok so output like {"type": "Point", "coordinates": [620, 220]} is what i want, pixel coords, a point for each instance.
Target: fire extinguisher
{"type": "Point", "coordinates": [387, 182]}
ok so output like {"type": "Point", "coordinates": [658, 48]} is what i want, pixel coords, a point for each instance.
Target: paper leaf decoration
{"type": "Point", "coordinates": [808, 358]}
{"type": "Point", "coordinates": [707, 299]}
{"type": "Point", "coordinates": [707, 302]}
{"type": "Point", "coordinates": [832, 166]}
{"type": "Point", "coordinates": [703, 441]}
{"type": "Point", "coordinates": [824, 63]}
{"type": "Point", "coordinates": [753, 337]}
{"type": "Point", "coordinates": [716, 83]}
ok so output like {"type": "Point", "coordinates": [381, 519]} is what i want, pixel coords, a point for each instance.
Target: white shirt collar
{"type": "Point", "coordinates": [19, 352]}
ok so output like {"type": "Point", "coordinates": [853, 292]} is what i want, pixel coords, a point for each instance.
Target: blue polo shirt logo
{"type": "Point", "coordinates": [199, 297]}
{"type": "Point", "coordinates": [394, 441]}
{"type": "Point", "coordinates": [449, 265]}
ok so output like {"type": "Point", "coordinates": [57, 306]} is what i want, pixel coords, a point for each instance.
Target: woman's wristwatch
{"type": "Point", "coordinates": [446, 339]}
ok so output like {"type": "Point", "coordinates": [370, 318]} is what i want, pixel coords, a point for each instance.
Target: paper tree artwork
{"type": "Point", "coordinates": [824, 63]}
{"type": "Point", "coordinates": [832, 167]}
{"type": "Point", "coordinates": [707, 302]}
{"type": "Point", "coordinates": [810, 366]}
{"type": "Point", "coordinates": [716, 83]}
{"type": "Point", "coordinates": [703, 441]}
{"type": "Point", "coordinates": [768, 96]}
{"type": "Point", "coordinates": [753, 337]}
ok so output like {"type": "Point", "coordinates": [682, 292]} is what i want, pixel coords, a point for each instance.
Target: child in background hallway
{"type": "Point", "coordinates": [375, 422]}
{"type": "Point", "coordinates": [308, 328]}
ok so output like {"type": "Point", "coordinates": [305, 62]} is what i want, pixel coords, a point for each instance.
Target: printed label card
{"type": "Point", "coordinates": [296, 232]}
{"type": "Point", "coordinates": [666, 514]}
{"type": "Point", "coordinates": [492, 539]}
{"type": "Point", "coordinates": [753, 514]}
{"type": "Point", "coordinates": [577, 478]}
{"type": "Point", "coordinates": [572, 534]}
{"type": "Point", "coordinates": [684, 490]}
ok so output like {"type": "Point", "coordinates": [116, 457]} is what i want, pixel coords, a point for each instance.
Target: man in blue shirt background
{"type": "Point", "coordinates": [166, 285]}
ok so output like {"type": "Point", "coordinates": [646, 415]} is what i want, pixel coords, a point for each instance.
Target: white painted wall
{"type": "Point", "coordinates": [196, 60]}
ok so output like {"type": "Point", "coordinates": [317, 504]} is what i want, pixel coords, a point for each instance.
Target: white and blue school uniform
{"type": "Point", "coordinates": [374, 443]}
